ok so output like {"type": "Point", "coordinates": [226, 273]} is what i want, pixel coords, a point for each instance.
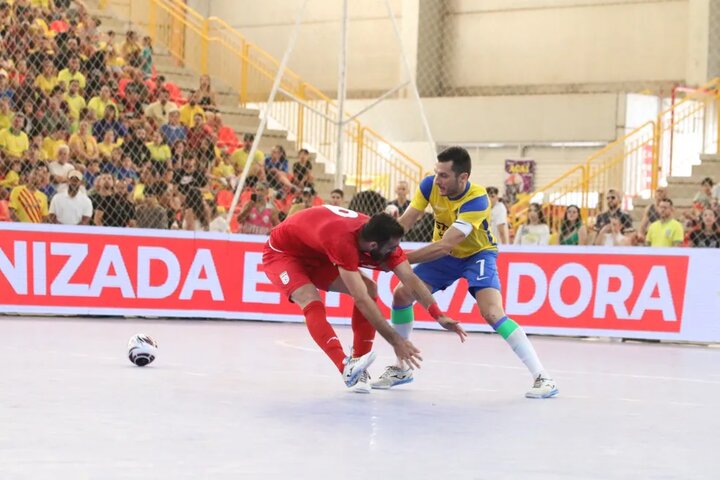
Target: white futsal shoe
{"type": "Point", "coordinates": [355, 367]}
{"type": "Point", "coordinates": [363, 384]}
{"type": "Point", "coordinates": [392, 377]}
{"type": "Point", "coordinates": [544, 387]}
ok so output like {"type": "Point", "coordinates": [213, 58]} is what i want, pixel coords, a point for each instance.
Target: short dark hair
{"type": "Point", "coordinates": [707, 181]}
{"type": "Point", "coordinates": [492, 190]}
{"type": "Point", "coordinates": [339, 192]}
{"type": "Point", "coordinates": [380, 228]}
{"type": "Point", "coordinates": [667, 200]}
{"type": "Point", "coordinates": [459, 157]}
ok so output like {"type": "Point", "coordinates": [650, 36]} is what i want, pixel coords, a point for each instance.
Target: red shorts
{"type": "Point", "coordinates": [289, 273]}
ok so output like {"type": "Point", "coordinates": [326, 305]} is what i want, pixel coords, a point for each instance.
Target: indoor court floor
{"type": "Point", "coordinates": [231, 400]}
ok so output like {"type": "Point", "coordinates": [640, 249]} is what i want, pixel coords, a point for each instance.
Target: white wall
{"type": "Point", "coordinates": [553, 42]}
{"type": "Point", "coordinates": [488, 43]}
{"type": "Point", "coordinates": [528, 118]}
{"type": "Point", "coordinates": [513, 121]}
{"type": "Point", "coordinates": [372, 49]}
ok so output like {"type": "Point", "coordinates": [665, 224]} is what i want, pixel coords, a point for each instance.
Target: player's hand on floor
{"type": "Point", "coordinates": [452, 325]}
{"type": "Point", "coordinates": [408, 354]}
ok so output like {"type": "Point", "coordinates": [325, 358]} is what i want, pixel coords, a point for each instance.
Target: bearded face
{"type": "Point", "coordinates": [383, 250]}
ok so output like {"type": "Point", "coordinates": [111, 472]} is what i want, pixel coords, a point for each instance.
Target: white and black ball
{"type": "Point", "coordinates": [142, 349]}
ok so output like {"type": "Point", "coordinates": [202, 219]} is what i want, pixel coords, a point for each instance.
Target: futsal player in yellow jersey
{"type": "Point", "coordinates": [463, 246]}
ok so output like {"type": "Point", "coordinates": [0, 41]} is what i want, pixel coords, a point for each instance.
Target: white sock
{"type": "Point", "coordinates": [404, 329]}
{"type": "Point", "coordinates": [524, 350]}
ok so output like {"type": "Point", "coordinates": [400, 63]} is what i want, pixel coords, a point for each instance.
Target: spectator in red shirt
{"type": "Point", "coordinates": [198, 133]}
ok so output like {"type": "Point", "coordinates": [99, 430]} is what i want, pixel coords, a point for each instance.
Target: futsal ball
{"type": "Point", "coordinates": [142, 349]}
{"type": "Point", "coordinates": [392, 210]}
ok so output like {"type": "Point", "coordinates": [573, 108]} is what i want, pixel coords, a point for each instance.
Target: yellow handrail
{"type": "Point", "coordinates": [641, 159]}
{"type": "Point", "coordinates": [249, 70]}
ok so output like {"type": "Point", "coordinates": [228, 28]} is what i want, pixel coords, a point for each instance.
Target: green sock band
{"type": "Point", "coordinates": [505, 326]}
{"type": "Point", "coordinates": [402, 315]}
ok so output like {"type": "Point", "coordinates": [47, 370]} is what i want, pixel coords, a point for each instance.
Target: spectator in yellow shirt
{"type": "Point", "coordinates": [13, 141]}
{"type": "Point", "coordinates": [72, 72]}
{"type": "Point", "coordinates": [12, 178]}
{"type": "Point", "coordinates": [98, 103]}
{"type": "Point", "coordinates": [240, 156]}
{"type": "Point", "coordinates": [28, 204]}
{"type": "Point", "coordinates": [159, 150]}
{"type": "Point", "coordinates": [46, 5]}
{"type": "Point", "coordinates": [6, 115]}
{"type": "Point", "coordinates": [188, 112]}
{"type": "Point", "coordinates": [47, 80]}
{"type": "Point", "coordinates": [222, 172]}
{"type": "Point", "coordinates": [75, 102]}
{"type": "Point", "coordinates": [83, 145]}
{"type": "Point", "coordinates": [51, 144]}
{"type": "Point", "coordinates": [666, 231]}
{"type": "Point", "coordinates": [109, 144]}
{"type": "Point", "coordinates": [131, 48]}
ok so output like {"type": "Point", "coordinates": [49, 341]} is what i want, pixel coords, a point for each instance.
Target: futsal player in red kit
{"type": "Point", "coordinates": [323, 248]}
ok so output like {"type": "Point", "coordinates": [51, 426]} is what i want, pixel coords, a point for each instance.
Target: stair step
{"type": "Point", "coordinates": [710, 157]}
{"type": "Point", "coordinates": [241, 120]}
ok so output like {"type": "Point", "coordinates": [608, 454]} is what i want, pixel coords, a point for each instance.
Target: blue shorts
{"type": "Point", "coordinates": [480, 271]}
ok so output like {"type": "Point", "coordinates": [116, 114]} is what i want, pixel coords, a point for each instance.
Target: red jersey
{"type": "Point", "coordinates": [328, 232]}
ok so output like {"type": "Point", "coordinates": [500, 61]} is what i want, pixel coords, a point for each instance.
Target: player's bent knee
{"type": "Point", "coordinates": [305, 295]}
{"type": "Point", "coordinates": [492, 314]}
{"type": "Point", "coordinates": [402, 295]}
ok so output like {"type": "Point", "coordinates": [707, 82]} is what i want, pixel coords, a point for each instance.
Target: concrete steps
{"type": "Point", "coordinates": [241, 120]}
{"type": "Point", "coordinates": [682, 190]}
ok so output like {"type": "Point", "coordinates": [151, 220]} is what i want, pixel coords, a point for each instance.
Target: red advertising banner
{"type": "Point", "coordinates": [113, 271]}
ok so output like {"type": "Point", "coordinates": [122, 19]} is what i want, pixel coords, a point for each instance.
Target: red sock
{"type": "Point", "coordinates": [363, 334]}
{"type": "Point", "coordinates": [323, 333]}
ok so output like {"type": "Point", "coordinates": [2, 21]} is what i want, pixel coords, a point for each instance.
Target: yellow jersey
{"type": "Point", "coordinates": [75, 104]}
{"type": "Point", "coordinates": [187, 114]}
{"type": "Point", "coordinates": [159, 153]}
{"type": "Point", "coordinates": [14, 145]}
{"type": "Point", "coordinates": [6, 120]}
{"type": "Point", "coordinates": [665, 234]}
{"type": "Point", "coordinates": [46, 84]}
{"type": "Point", "coordinates": [240, 156]}
{"type": "Point", "coordinates": [29, 206]}
{"type": "Point", "coordinates": [97, 105]}
{"type": "Point", "coordinates": [469, 212]}
{"type": "Point", "coordinates": [65, 76]}
{"type": "Point", "coordinates": [50, 147]}
{"type": "Point", "coordinates": [107, 149]}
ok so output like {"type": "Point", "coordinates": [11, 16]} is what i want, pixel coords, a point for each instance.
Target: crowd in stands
{"type": "Point", "coordinates": [90, 134]}
{"type": "Point", "coordinates": [661, 224]}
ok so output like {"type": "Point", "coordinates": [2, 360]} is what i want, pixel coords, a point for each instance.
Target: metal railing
{"type": "Point", "coordinates": [211, 46]}
{"type": "Point", "coordinates": [636, 163]}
